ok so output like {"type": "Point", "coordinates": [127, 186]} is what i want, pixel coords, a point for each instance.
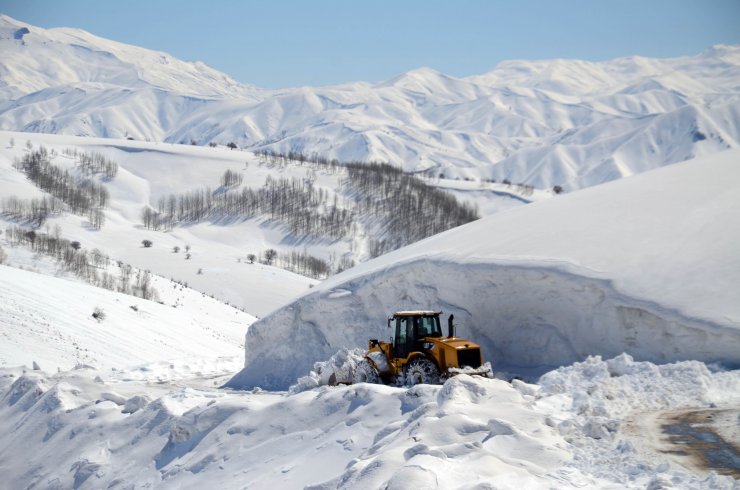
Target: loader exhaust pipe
{"type": "Point", "coordinates": [450, 326]}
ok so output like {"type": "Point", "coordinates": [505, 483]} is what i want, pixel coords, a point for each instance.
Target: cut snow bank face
{"type": "Point", "coordinates": [647, 265]}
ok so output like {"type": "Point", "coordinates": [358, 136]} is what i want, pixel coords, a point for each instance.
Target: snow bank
{"type": "Point", "coordinates": [77, 430]}
{"type": "Point", "coordinates": [621, 385]}
{"type": "Point", "coordinates": [362, 436]}
{"type": "Point", "coordinates": [341, 366]}
{"type": "Point", "coordinates": [647, 265]}
{"type": "Point", "coordinates": [592, 405]}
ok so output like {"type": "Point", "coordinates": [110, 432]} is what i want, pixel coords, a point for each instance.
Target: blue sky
{"type": "Point", "coordinates": [283, 43]}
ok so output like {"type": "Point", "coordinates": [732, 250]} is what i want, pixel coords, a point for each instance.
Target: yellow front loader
{"type": "Point", "coordinates": [418, 352]}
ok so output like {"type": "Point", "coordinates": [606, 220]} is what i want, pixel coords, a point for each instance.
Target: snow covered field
{"type": "Point", "coordinates": [218, 263]}
{"type": "Point", "coordinates": [48, 320]}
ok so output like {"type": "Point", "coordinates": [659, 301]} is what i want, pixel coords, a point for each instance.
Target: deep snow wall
{"type": "Point", "coordinates": [523, 316]}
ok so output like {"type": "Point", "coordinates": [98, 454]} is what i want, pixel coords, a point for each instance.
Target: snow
{"type": "Point", "coordinates": [148, 171]}
{"type": "Point", "coordinates": [78, 429]}
{"type": "Point", "coordinates": [646, 265]}
{"type": "Point", "coordinates": [219, 248]}
{"type": "Point", "coordinates": [571, 123]}
{"type": "Point", "coordinates": [134, 400]}
{"type": "Point", "coordinates": [622, 296]}
{"type": "Point", "coordinates": [38, 324]}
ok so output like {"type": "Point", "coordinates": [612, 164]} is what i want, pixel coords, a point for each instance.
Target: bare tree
{"type": "Point", "coordinates": [270, 255]}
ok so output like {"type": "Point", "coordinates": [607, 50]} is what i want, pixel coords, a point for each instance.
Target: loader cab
{"type": "Point", "coordinates": [410, 328]}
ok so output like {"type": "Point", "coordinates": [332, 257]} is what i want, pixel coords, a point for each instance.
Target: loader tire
{"type": "Point", "coordinates": [365, 372]}
{"type": "Point", "coordinates": [420, 371]}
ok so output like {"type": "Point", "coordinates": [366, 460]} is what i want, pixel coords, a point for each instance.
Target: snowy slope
{"type": "Point", "coordinates": [35, 59]}
{"type": "Point", "coordinates": [553, 122]}
{"type": "Point", "coordinates": [49, 321]}
{"type": "Point", "coordinates": [219, 248]}
{"type": "Point", "coordinates": [147, 171]}
{"type": "Point", "coordinates": [647, 265]}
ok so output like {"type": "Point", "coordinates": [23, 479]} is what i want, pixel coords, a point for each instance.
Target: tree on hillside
{"type": "Point", "coordinates": [147, 243]}
{"type": "Point", "coordinates": [270, 255]}
{"type": "Point", "coordinates": [31, 236]}
{"type": "Point", "coordinates": [231, 145]}
{"type": "Point", "coordinates": [230, 178]}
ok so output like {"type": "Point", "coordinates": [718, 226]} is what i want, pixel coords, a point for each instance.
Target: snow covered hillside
{"type": "Point", "coordinates": [49, 321]}
{"type": "Point", "coordinates": [211, 253]}
{"type": "Point", "coordinates": [217, 251]}
{"type": "Point", "coordinates": [555, 122]}
{"type": "Point", "coordinates": [647, 265]}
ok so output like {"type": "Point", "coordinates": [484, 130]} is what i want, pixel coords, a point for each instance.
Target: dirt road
{"type": "Point", "coordinates": [701, 440]}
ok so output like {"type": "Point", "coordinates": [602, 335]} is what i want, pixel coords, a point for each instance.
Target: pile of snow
{"type": "Point", "coordinates": [592, 405]}
{"type": "Point", "coordinates": [553, 122]}
{"type": "Point", "coordinates": [646, 265]}
{"type": "Point", "coordinates": [81, 429]}
{"type": "Point", "coordinates": [341, 366]}
{"type": "Point", "coordinates": [613, 388]}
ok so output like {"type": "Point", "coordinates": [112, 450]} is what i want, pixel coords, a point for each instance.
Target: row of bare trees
{"type": "Point", "coordinates": [293, 202]}
{"type": "Point", "coordinates": [304, 264]}
{"type": "Point", "coordinates": [402, 208]}
{"type": "Point", "coordinates": [406, 209]}
{"type": "Point", "coordinates": [93, 163]}
{"type": "Point", "coordinates": [94, 267]}
{"type": "Point", "coordinates": [32, 211]}
{"type": "Point", "coordinates": [82, 196]}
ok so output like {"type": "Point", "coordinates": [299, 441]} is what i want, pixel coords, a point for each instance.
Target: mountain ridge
{"type": "Point", "coordinates": [571, 123]}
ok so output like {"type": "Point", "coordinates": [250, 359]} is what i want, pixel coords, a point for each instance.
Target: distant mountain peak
{"type": "Point", "coordinates": [67, 56]}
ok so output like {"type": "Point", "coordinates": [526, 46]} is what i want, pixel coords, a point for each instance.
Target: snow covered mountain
{"type": "Point", "coordinates": [37, 59]}
{"type": "Point", "coordinates": [646, 265]}
{"type": "Point", "coordinates": [558, 122]}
